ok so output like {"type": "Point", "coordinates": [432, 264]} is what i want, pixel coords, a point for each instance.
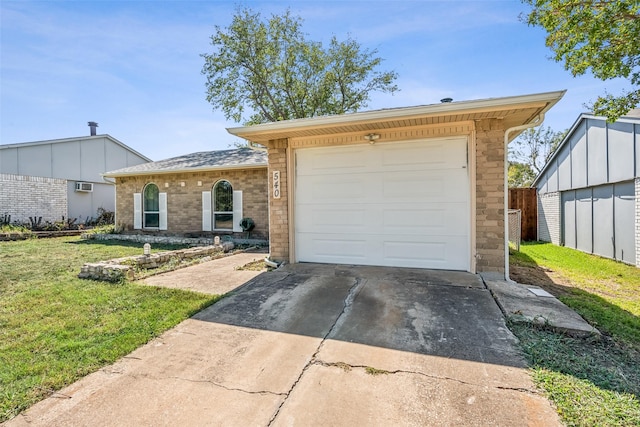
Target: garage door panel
{"type": "Point", "coordinates": [384, 251]}
{"type": "Point", "coordinates": [428, 220]}
{"type": "Point", "coordinates": [333, 248]}
{"type": "Point", "coordinates": [403, 219]}
{"type": "Point", "coordinates": [430, 186]}
{"type": "Point", "coordinates": [436, 253]}
{"type": "Point", "coordinates": [434, 156]}
{"type": "Point", "coordinates": [326, 162]}
{"type": "Point", "coordinates": [354, 218]}
{"type": "Point", "coordinates": [395, 204]}
{"type": "Point", "coordinates": [331, 190]}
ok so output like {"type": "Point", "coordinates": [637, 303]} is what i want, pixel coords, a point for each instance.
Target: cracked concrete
{"type": "Point", "coordinates": [300, 346]}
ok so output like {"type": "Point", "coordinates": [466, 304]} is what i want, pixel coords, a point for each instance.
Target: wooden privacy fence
{"type": "Point", "coordinates": [525, 199]}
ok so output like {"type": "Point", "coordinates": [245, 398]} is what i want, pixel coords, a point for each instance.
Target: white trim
{"type": "Point", "coordinates": [237, 210]}
{"type": "Point", "coordinates": [137, 211]}
{"type": "Point", "coordinates": [206, 211]}
{"type": "Point", "coordinates": [446, 107]}
{"type": "Point", "coordinates": [162, 205]}
{"type": "Point", "coordinates": [471, 162]}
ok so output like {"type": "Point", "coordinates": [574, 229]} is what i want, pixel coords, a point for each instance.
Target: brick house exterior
{"type": "Point", "coordinates": [21, 197]}
{"type": "Point", "coordinates": [484, 127]}
{"type": "Point", "coordinates": [185, 180]}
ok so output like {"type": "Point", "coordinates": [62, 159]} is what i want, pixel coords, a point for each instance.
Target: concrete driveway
{"type": "Point", "coordinates": [316, 344]}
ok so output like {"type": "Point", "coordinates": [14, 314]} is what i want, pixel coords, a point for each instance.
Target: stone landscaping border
{"type": "Point", "coordinates": [118, 269]}
{"type": "Point", "coordinates": [18, 235]}
{"type": "Point", "coordinates": [175, 240]}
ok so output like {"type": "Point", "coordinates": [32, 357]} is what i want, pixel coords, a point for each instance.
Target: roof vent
{"type": "Point", "coordinates": [444, 100]}
{"type": "Point", "coordinates": [93, 126]}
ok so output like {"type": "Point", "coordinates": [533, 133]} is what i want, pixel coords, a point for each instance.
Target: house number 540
{"type": "Point", "coordinates": [276, 184]}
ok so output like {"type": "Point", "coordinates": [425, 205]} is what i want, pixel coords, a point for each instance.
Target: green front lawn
{"type": "Point", "coordinates": [591, 381]}
{"type": "Point", "coordinates": [56, 328]}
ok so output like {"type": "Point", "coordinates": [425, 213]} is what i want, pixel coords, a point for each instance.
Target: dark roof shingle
{"type": "Point", "coordinates": [204, 160]}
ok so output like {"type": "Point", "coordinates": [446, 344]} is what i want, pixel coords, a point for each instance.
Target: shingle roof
{"type": "Point", "coordinates": [205, 160]}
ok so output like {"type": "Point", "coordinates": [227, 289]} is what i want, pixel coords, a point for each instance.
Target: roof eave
{"type": "Point", "coordinates": [74, 139]}
{"type": "Point", "coordinates": [247, 132]}
{"type": "Point", "coordinates": [116, 174]}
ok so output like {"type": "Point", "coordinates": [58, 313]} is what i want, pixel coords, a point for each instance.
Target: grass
{"type": "Point", "coordinates": [591, 381]}
{"type": "Point", "coordinates": [258, 265]}
{"type": "Point", "coordinates": [56, 328]}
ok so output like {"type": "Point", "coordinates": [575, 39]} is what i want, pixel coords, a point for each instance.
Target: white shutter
{"type": "Point", "coordinates": [237, 210]}
{"type": "Point", "coordinates": [162, 201]}
{"type": "Point", "coordinates": [137, 211]}
{"type": "Point", "coordinates": [206, 211]}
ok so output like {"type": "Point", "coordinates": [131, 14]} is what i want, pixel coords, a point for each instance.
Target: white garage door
{"type": "Point", "coordinates": [394, 204]}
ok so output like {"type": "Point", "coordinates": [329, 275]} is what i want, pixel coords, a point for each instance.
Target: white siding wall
{"type": "Point", "coordinates": [549, 217]}
{"type": "Point", "coordinates": [25, 196]}
{"type": "Point", "coordinates": [638, 222]}
{"type": "Point", "coordinates": [76, 159]}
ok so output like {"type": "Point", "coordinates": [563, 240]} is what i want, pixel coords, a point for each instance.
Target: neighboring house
{"type": "Point", "coordinates": [409, 187]}
{"type": "Point", "coordinates": [61, 178]}
{"type": "Point", "coordinates": [589, 191]}
{"type": "Point", "coordinates": [197, 194]}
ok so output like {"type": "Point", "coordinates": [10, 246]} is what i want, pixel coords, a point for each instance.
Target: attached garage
{"type": "Point", "coordinates": [419, 187]}
{"type": "Point", "coordinates": [400, 204]}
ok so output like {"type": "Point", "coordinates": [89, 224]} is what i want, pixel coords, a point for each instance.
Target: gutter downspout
{"type": "Point", "coordinates": [533, 124]}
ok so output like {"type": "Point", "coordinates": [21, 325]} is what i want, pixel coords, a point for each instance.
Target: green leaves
{"type": "Point", "coordinates": [533, 149]}
{"type": "Point", "coordinates": [268, 71]}
{"type": "Point", "coordinates": [594, 36]}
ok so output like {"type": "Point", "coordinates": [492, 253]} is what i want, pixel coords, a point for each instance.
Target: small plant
{"type": "Point", "coordinates": [105, 217]}
{"type": "Point", "coordinates": [103, 229]}
{"type": "Point", "coordinates": [375, 371]}
{"type": "Point", "coordinates": [247, 224]}
{"type": "Point", "coordinates": [5, 219]}
{"type": "Point", "coordinates": [35, 222]}
{"type": "Point", "coordinates": [258, 265]}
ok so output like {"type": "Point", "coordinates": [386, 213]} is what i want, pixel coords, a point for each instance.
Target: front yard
{"type": "Point", "coordinates": [56, 328]}
{"type": "Point", "coordinates": [591, 381]}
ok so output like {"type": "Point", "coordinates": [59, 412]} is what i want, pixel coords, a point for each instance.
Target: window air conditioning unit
{"type": "Point", "coordinates": [87, 187]}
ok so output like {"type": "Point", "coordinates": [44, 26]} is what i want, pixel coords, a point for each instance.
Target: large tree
{"type": "Point", "coordinates": [266, 70]}
{"type": "Point", "coordinates": [520, 175]}
{"type": "Point", "coordinates": [534, 147]}
{"type": "Point", "coordinates": [601, 36]}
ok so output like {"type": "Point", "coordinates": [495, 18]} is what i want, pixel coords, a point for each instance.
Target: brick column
{"type": "Point", "coordinates": [278, 208]}
{"type": "Point", "coordinates": [490, 196]}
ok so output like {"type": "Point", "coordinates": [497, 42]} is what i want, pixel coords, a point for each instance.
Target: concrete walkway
{"type": "Point", "coordinates": [530, 304]}
{"type": "Point", "coordinates": [217, 277]}
{"type": "Point", "coordinates": [320, 345]}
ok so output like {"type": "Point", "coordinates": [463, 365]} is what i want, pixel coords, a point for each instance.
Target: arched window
{"type": "Point", "coordinates": [222, 206]}
{"type": "Point", "coordinates": [151, 206]}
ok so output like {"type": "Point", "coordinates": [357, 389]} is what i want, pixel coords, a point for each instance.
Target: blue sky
{"type": "Point", "coordinates": [134, 66]}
